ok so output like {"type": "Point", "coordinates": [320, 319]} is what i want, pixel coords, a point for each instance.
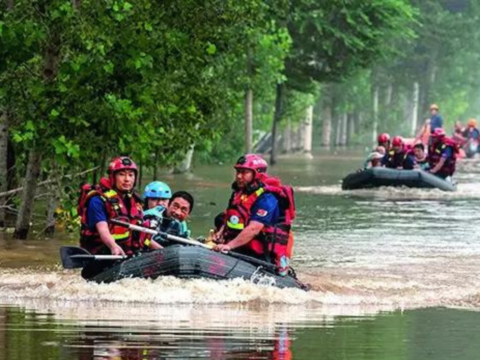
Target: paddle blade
{"type": "Point", "coordinates": [69, 261]}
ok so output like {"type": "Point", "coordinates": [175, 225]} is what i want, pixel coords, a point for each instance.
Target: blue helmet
{"type": "Point", "coordinates": [157, 190]}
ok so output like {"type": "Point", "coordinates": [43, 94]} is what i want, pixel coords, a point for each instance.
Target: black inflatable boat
{"type": "Point", "coordinates": [376, 177]}
{"type": "Point", "coordinates": [194, 262]}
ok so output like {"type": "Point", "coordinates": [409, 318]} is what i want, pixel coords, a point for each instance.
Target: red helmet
{"type": "Point", "coordinates": [439, 132]}
{"type": "Point", "coordinates": [397, 141]}
{"type": "Point", "coordinates": [252, 162]}
{"type": "Point", "coordinates": [121, 163]}
{"type": "Point", "coordinates": [383, 138]}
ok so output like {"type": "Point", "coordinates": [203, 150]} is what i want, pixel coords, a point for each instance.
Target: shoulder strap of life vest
{"type": "Point", "coordinates": [108, 195]}
{"type": "Point", "coordinates": [285, 197]}
{"type": "Point", "coordinates": [448, 141]}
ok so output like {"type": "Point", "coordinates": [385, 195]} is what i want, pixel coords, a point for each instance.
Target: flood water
{"type": "Point", "coordinates": [394, 275]}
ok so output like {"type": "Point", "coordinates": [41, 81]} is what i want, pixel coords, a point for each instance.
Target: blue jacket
{"type": "Point", "coordinates": [436, 121]}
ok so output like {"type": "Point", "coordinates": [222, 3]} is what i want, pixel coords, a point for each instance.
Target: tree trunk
{"type": "Point", "coordinates": [51, 207]}
{"type": "Point", "coordinates": [103, 167]}
{"type": "Point", "coordinates": [276, 119]}
{"type": "Point", "coordinates": [359, 120]}
{"type": "Point", "coordinates": [249, 103]}
{"type": "Point", "coordinates": [186, 165]}
{"type": "Point", "coordinates": [287, 138]}
{"type": "Point", "coordinates": [308, 136]}
{"type": "Point", "coordinates": [427, 85]}
{"type": "Point", "coordinates": [343, 129]}
{"type": "Point", "coordinates": [155, 164]}
{"type": "Point", "coordinates": [300, 136]}
{"type": "Point", "coordinates": [46, 182]}
{"type": "Point", "coordinates": [248, 120]}
{"type": "Point", "coordinates": [140, 174]}
{"type": "Point", "coordinates": [388, 95]}
{"type": "Point", "coordinates": [3, 163]}
{"type": "Point", "coordinates": [326, 117]}
{"type": "Point", "coordinates": [415, 103]}
{"type": "Point", "coordinates": [338, 128]}
{"type": "Point", "coordinates": [375, 114]}
{"type": "Point", "coordinates": [22, 225]}
{"type": "Point", "coordinates": [350, 128]}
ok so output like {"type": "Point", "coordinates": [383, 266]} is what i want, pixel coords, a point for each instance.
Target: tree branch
{"type": "Point", "coordinates": [46, 182]}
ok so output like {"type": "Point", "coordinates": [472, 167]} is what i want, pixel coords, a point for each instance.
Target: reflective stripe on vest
{"type": "Point", "coordinates": [235, 226]}
{"type": "Point", "coordinates": [243, 203]}
{"type": "Point", "coordinates": [115, 208]}
{"type": "Point", "coordinates": [121, 236]}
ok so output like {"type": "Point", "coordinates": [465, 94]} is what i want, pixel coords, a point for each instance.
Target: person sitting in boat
{"type": "Point", "coordinates": [177, 212]}
{"type": "Point", "coordinates": [384, 141]}
{"type": "Point", "coordinates": [398, 157]}
{"type": "Point", "coordinates": [421, 159]}
{"type": "Point", "coordinates": [255, 223]}
{"type": "Point", "coordinates": [114, 198]}
{"type": "Point", "coordinates": [156, 196]}
{"type": "Point", "coordinates": [458, 132]}
{"type": "Point", "coordinates": [374, 159]}
{"type": "Point", "coordinates": [471, 135]}
{"type": "Point", "coordinates": [442, 154]}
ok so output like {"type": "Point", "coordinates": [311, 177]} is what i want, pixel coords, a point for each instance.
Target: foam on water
{"type": "Point", "coordinates": [377, 250]}
{"type": "Point", "coordinates": [452, 283]}
{"type": "Point", "coordinates": [464, 191]}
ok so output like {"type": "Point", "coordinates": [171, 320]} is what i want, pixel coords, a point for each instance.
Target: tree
{"type": "Point", "coordinates": [333, 40]}
{"type": "Point", "coordinates": [91, 79]}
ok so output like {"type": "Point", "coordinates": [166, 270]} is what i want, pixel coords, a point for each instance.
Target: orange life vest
{"type": "Point", "coordinates": [273, 243]}
{"type": "Point", "coordinates": [116, 208]}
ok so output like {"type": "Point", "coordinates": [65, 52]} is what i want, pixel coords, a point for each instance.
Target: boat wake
{"type": "Point", "coordinates": [359, 290]}
{"type": "Point", "coordinates": [464, 191]}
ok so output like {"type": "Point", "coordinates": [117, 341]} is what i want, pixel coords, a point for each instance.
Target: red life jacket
{"type": "Point", "coordinates": [435, 154]}
{"type": "Point", "coordinates": [273, 242]}
{"type": "Point", "coordinates": [129, 241]}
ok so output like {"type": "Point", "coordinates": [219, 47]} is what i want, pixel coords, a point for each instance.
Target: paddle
{"type": "Point", "coordinates": [75, 257]}
{"type": "Point", "coordinates": [252, 260]}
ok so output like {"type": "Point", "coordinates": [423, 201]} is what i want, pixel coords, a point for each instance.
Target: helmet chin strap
{"type": "Point", "coordinates": [114, 186]}
{"type": "Point", "coordinates": [249, 188]}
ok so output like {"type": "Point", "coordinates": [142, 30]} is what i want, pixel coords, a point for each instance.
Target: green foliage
{"type": "Point", "coordinates": [153, 77]}
{"type": "Point", "coordinates": [442, 57]}
{"type": "Point", "coordinates": [332, 40]}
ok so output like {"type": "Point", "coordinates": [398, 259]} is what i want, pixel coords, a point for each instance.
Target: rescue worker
{"type": "Point", "coordinates": [384, 140]}
{"type": "Point", "coordinates": [398, 157]}
{"type": "Point", "coordinates": [442, 155]}
{"type": "Point", "coordinates": [421, 158]}
{"type": "Point", "coordinates": [436, 121]}
{"type": "Point", "coordinates": [471, 136]}
{"type": "Point", "coordinates": [252, 223]}
{"type": "Point", "coordinates": [114, 198]}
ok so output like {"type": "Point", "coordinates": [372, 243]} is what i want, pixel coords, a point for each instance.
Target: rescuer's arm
{"type": "Point", "coordinates": [107, 238]}
{"type": "Point", "coordinates": [243, 238]}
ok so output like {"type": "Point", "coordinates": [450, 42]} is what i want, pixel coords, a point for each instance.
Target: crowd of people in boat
{"type": "Point", "coordinates": [432, 150]}
{"type": "Point", "coordinates": [256, 222]}
{"type": "Point", "coordinates": [467, 137]}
